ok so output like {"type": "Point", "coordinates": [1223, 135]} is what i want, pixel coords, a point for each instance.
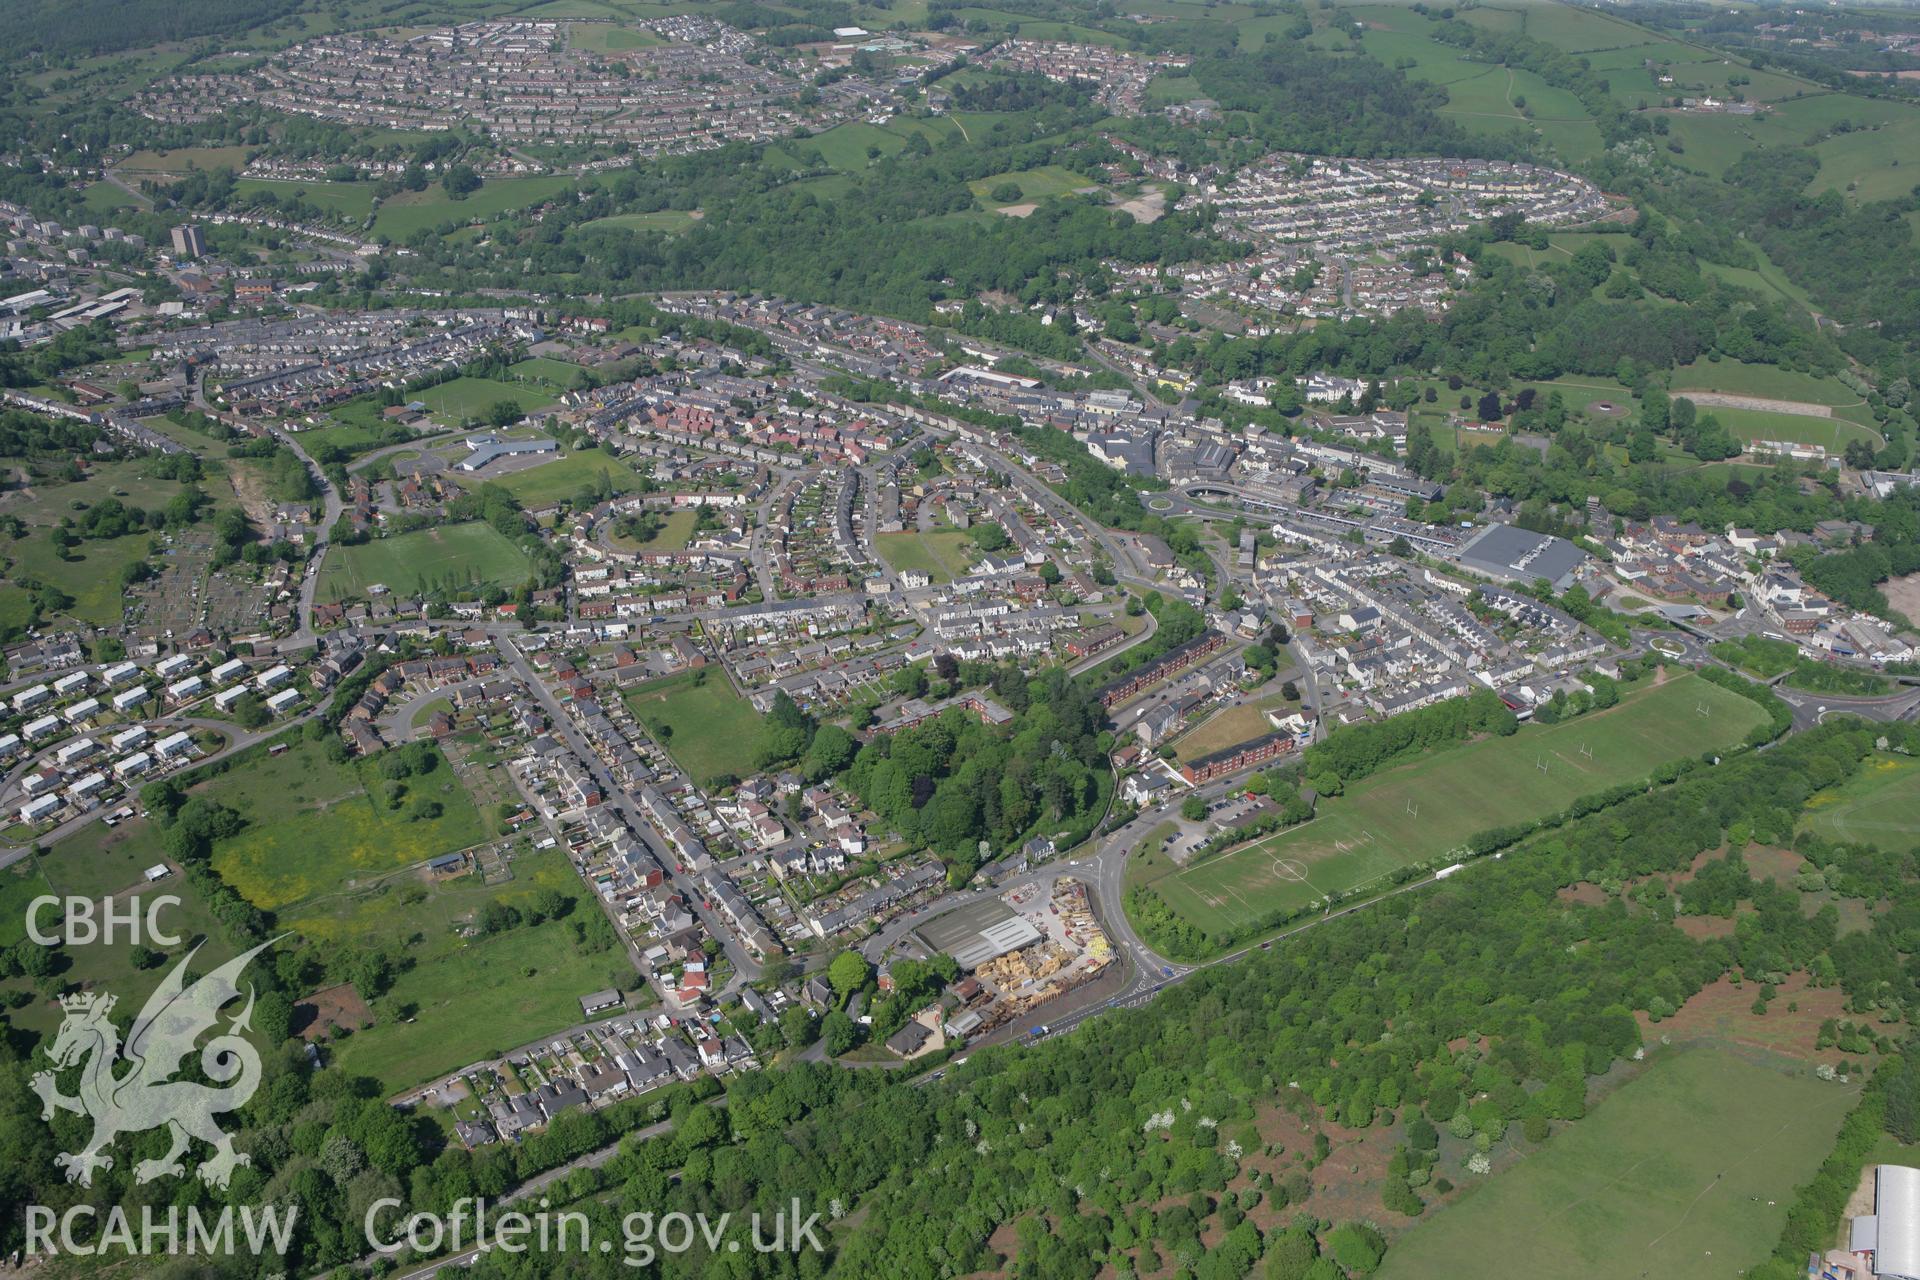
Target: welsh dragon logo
{"type": "Point", "coordinates": [147, 1097]}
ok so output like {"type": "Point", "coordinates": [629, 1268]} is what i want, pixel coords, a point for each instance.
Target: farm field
{"type": "Point", "coordinates": [702, 723]}
{"type": "Point", "coordinates": [1482, 98]}
{"type": "Point", "coordinates": [455, 979]}
{"type": "Point", "coordinates": [1867, 164]}
{"type": "Point", "coordinates": [315, 826]}
{"type": "Point", "coordinates": [1881, 805]}
{"type": "Point", "coordinates": [548, 483]}
{"type": "Point", "coordinates": [1422, 810]}
{"type": "Point", "coordinates": [454, 558]}
{"type": "Point", "coordinates": [1697, 1157]}
{"type": "Point", "coordinates": [414, 211]}
{"type": "Point", "coordinates": [1032, 30]}
{"type": "Point", "coordinates": [943, 554]}
{"type": "Point", "coordinates": [1576, 30]}
{"type": "Point", "coordinates": [1880, 134]}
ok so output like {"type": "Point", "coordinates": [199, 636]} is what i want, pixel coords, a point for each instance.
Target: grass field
{"type": "Point", "coordinates": [98, 862]}
{"type": "Point", "coordinates": [845, 146]}
{"type": "Point", "coordinates": [1231, 727]}
{"type": "Point", "coordinates": [1422, 810]}
{"type": "Point", "coordinates": [707, 728]}
{"type": "Point", "coordinates": [104, 199]}
{"type": "Point", "coordinates": [347, 199]}
{"type": "Point", "coordinates": [492, 994]}
{"type": "Point", "coordinates": [413, 211]}
{"type": "Point", "coordinates": [1763, 277]}
{"type": "Point", "coordinates": [463, 398]}
{"type": "Point", "coordinates": [1734, 377]}
{"type": "Point", "coordinates": [662, 220]}
{"type": "Point", "coordinates": [1760, 424]}
{"type": "Point", "coordinates": [354, 430]}
{"type": "Point", "coordinates": [1686, 1171]}
{"type": "Point", "coordinates": [313, 825]}
{"type": "Point", "coordinates": [942, 553]}
{"type": "Point", "coordinates": [462, 1008]}
{"type": "Point", "coordinates": [184, 161]}
{"type": "Point", "coordinates": [454, 559]}
{"type": "Point", "coordinates": [676, 531]}
{"type": "Point", "coordinates": [1880, 805]}
{"type": "Point", "coordinates": [1035, 184]}
{"type": "Point", "coordinates": [602, 38]}
{"type": "Point", "coordinates": [550, 482]}
{"type": "Point", "coordinates": [546, 373]}
{"type": "Point", "coordinates": [1561, 247]}
{"type": "Point", "coordinates": [91, 574]}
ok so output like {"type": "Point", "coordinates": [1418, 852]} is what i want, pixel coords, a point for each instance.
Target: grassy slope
{"type": "Point", "coordinates": [1687, 1170]}
{"type": "Point", "coordinates": [1881, 806]}
{"type": "Point", "coordinates": [464, 1006]}
{"type": "Point", "coordinates": [313, 826]}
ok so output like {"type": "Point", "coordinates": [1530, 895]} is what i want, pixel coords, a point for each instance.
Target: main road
{"type": "Point", "coordinates": [745, 967]}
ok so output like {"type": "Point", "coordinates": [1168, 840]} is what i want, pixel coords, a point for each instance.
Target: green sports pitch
{"type": "Point", "coordinates": [1432, 806]}
{"type": "Point", "coordinates": [459, 559]}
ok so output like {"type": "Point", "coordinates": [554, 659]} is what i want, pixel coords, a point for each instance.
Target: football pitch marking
{"type": "Point", "coordinates": [1291, 869]}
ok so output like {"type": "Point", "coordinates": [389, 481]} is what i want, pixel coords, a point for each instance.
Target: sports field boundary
{"type": "Point", "coordinates": [1381, 831]}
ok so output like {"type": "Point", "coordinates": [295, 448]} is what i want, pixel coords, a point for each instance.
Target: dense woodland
{"type": "Point", "coordinates": [955, 782]}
